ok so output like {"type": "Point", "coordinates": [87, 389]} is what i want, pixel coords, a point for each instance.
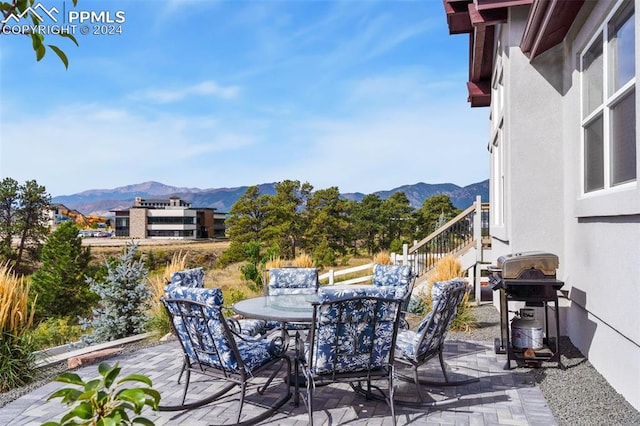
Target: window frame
{"type": "Point", "coordinates": [610, 98]}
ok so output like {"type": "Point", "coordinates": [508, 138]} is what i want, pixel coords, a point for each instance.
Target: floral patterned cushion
{"type": "Point", "coordinates": [431, 331]}
{"type": "Point", "coordinates": [293, 281]}
{"type": "Point", "coordinates": [205, 338]}
{"type": "Point", "coordinates": [398, 276]}
{"type": "Point", "coordinates": [194, 278]}
{"type": "Point", "coordinates": [188, 278]}
{"type": "Point", "coordinates": [353, 334]}
{"type": "Point", "coordinates": [328, 294]}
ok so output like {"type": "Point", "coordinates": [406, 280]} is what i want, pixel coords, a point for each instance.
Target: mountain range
{"type": "Point", "coordinates": [104, 201]}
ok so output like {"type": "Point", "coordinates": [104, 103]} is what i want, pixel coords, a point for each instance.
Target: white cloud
{"type": "Point", "coordinates": [109, 147]}
{"type": "Point", "coordinates": [206, 88]}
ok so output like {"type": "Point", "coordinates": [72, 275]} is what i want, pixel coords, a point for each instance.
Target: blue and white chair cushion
{"type": "Point", "coordinates": [412, 344]}
{"type": "Point", "coordinates": [349, 336]}
{"type": "Point", "coordinates": [398, 276]}
{"type": "Point", "coordinates": [209, 329]}
{"type": "Point", "coordinates": [188, 278]}
{"type": "Point", "coordinates": [194, 278]}
{"type": "Point", "coordinates": [292, 281]}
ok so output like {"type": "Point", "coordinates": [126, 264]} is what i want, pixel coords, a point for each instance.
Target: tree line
{"type": "Point", "coordinates": [326, 226]}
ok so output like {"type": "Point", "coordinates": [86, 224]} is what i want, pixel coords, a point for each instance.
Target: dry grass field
{"type": "Point", "coordinates": [197, 253]}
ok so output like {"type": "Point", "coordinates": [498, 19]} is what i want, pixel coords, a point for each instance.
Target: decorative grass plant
{"type": "Point", "coordinates": [446, 269]}
{"type": "Point", "coordinates": [17, 362]}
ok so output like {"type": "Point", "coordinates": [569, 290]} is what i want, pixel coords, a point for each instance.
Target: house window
{"type": "Point", "coordinates": [609, 103]}
{"type": "Point", "coordinates": [497, 179]}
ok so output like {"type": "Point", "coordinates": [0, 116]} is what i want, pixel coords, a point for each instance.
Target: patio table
{"type": "Point", "coordinates": [284, 308]}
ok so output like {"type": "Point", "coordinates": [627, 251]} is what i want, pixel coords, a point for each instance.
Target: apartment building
{"type": "Point", "coordinates": [172, 218]}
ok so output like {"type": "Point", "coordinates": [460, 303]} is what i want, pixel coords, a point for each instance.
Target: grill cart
{"type": "Point", "coordinates": [528, 277]}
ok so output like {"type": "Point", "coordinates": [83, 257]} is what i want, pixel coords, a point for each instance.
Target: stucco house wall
{"type": "Point", "coordinates": [597, 235]}
{"type": "Point", "coordinates": [602, 236]}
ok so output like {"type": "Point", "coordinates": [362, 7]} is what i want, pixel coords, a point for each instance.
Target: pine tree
{"type": "Point", "coordinates": [60, 284]}
{"type": "Point", "coordinates": [124, 299]}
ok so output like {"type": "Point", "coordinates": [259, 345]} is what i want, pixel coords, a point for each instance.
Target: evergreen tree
{"type": "Point", "coordinates": [31, 222]}
{"type": "Point", "coordinates": [283, 222]}
{"type": "Point", "coordinates": [368, 222]}
{"type": "Point", "coordinates": [60, 283]}
{"type": "Point", "coordinates": [22, 218]}
{"type": "Point", "coordinates": [9, 202]}
{"type": "Point", "coordinates": [433, 212]}
{"type": "Point", "coordinates": [124, 298]}
{"type": "Point", "coordinates": [397, 221]}
{"type": "Point", "coordinates": [326, 225]}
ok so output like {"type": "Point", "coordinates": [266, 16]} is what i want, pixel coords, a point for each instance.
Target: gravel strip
{"type": "Point", "coordinates": [577, 395]}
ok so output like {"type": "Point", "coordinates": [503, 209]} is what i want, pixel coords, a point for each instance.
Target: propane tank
{"type": "Point", "coordinates": [526, 331]}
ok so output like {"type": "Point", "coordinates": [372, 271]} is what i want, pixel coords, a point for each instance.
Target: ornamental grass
{"type": "Point", "coordinates": [382, 258]}
{"type": "Point", "coordinates": [447, 269]}
{"type": "Point", "coordinates": [17, 361]}
{"type": "Point", "coordinates": [158, 318]}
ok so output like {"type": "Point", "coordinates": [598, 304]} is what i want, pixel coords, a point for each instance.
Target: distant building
{"type": "Point", "coordinates": [59, 213]}
{"type": "Point", "coordinates": [169, 218]}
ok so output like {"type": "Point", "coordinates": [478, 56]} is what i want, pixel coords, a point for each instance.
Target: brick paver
{"type": "Point", "coordinates": [501, 397]}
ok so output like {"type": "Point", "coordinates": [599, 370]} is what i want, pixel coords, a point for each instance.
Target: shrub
{"type": "Point", "coordinates": [324, 255]}
{"type": "Point", "coordinates": [55, 332]}
{"type": "Point", "coordinates": [124, 299]}
{"type": "Point", "coordinates": [17, 362]}
{"type": "Point", "coordinates": [464, 319]}
{"type": "Point", "coordinates": [103, 401]}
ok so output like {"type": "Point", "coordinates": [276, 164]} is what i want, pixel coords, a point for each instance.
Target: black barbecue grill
{"type": "Point", "coordinates": [528, 277]}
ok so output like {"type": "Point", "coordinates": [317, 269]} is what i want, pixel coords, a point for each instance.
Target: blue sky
{"type": "Point", "coordinates": [362, 95]}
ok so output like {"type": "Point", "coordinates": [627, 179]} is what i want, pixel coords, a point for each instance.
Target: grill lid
{"type": "Point", "coordinates": [513, 265]}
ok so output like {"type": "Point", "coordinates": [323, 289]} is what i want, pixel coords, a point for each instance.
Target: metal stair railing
{"type": "Point", "coordinates": [453, 238]}
{"type": "Point", "coordinates": [466, 231]}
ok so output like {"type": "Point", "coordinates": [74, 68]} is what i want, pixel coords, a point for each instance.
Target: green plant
{"type": "Point", "coordinates": [104, 401]}
{"type": "Point", "coordinates": [55, 332]}
{"type": "Point", "coordinates": [124, 299]}
{"type": "Point", "coordinates": [158, 319]}
{"type": "Point", "coordinates": [17, 362]}
{"type": "Point", "coordinates": [464, 319]}
{"type": "Point", "coordinates": [60, 283]}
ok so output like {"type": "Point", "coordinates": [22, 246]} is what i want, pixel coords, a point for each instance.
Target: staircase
{"type": "Point", "coordinates": [466, 237]}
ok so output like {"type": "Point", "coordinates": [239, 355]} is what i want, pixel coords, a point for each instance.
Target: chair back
{"type": "Point", "coordinates": [198, 321]}
{"type": "Point", "coordinates": [188, 278]}
{"type": "Point", "coordinates": [353, 331]}
{"type": "Point", "coordinates": [291, 280]}
{"type": "Point", "coordinates": [398, 276]}
{"type": "Point", "coordinates": [446, 296]}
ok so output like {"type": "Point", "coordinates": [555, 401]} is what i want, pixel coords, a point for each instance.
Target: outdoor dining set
{"type": "Point", "coordinates": [309, 334]}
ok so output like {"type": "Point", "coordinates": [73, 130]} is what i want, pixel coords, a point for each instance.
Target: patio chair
{"type": "Point", "coordinates": [194, 278]}
{"type": "Point", "coordinates": [415, 348]}
{"type": "Point", "coordinates": [290, 280]}
{"type": "Point", "coordinates": [211, 347]}
{"type": "Point", "coordinates": [399, 277]}
{"type": "Point", "coordinates": [351, 340]}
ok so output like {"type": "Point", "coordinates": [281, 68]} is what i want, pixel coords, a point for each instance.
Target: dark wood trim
{"type": "Point", "coordinates": [548, 24]}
